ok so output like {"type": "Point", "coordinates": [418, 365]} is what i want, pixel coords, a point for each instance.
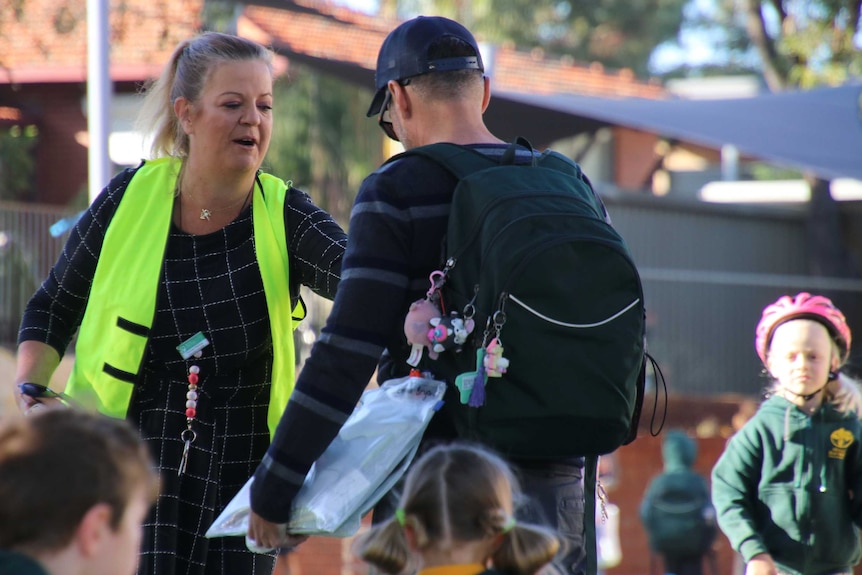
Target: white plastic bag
{"type": "Point", "coordinates": [370, 453]}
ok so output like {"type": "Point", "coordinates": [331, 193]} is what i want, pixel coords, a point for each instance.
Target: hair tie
{"type": "Point", "coordinates": [508, 525]}
{"type": "Point", "coordinates": [400, 516]}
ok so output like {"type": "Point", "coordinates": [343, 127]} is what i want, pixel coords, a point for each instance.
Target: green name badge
{"type": "Point", "coordinates": [193, 345]}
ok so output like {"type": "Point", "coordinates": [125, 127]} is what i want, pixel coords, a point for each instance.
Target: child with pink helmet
{"type": "Point", "coordinates": [788, 487]}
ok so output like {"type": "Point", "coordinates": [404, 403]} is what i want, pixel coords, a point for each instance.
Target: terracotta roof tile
{"type": "Point", "coordinates": [354, 40]}
{"type": "Point", "coordinates": [48, 43]}
{"type": "Point", "coordinates": [50, 37]}
{"type": "Point", "coordinates": [516, 71]}
{"type": "Point", "coordinates": [320, 29]}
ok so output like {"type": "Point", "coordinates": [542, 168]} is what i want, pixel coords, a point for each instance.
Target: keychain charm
{"type": "Point", "coordinates": [191, 348]}
{"type": "Point", "coordinates": [467, 383]}
{"type": "Point", "coordinates": [495, 364]}
{"type": "Point", "coordinates": [189, 435]}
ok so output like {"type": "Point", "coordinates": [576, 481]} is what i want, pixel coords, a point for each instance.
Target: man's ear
{"type": "Point", "coordinates": [182, 108]}
{"type": "Point", "coordinates": [400, 98]}
{"type": "Point", "coordinates": [93, 530]}
{"type": "Point", "coordinates": [486, 97]}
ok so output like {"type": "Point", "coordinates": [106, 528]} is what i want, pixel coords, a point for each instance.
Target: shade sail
{"type": "Point", "coordinates": [817, 130]}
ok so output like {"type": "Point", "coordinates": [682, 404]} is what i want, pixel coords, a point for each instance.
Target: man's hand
{"type": "Point", "coordinates": [271, 535]}
{"type": "Point", "coordinates": [761, 564]}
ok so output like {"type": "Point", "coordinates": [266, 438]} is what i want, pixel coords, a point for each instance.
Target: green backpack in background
{"type": "Point", "coordinates": [680, 520]}
{"type": "Point", "coordinates": [533, 262]}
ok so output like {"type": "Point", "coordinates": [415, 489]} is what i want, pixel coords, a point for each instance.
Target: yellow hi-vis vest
{"type": "Point", "coordinates": [121, 307]}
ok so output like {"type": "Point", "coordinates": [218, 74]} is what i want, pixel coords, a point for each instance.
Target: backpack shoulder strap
{"type": "Point", "coordinates": [591, 466]}
{"type": "Point", "coordinates": [559, 162]}
{"type": "Point", "coordinates": [462, 161]}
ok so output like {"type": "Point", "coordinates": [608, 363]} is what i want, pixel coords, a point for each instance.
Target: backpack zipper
{"type": "Point", "coordinates": [502, 230]}
{"type": "Point", "coordinates": [504, 293]}
{"type": "Point", "coordinates": [452, 260]}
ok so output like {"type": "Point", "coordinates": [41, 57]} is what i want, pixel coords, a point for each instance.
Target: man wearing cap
{"type": "Point", "coordinates": [430, 87]}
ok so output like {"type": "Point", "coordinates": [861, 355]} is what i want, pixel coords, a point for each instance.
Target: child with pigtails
{"type": "Point", "coordinates": [456, 517]}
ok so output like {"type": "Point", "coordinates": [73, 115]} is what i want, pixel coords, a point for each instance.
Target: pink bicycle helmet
{"type": "Point", "coordinates": [802, 305]}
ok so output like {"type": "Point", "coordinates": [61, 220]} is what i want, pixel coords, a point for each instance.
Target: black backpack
{"type": "Point", "coordinates": [533, 262]}
{"type": "Point", "coordinates": [680, 521]}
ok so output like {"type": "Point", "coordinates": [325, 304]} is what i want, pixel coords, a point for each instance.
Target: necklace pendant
{"type": "Point", "coordinates": [205, 214]}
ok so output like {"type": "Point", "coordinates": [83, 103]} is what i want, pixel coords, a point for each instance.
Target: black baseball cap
{"type": "Point", "coordinates": [404, 53]}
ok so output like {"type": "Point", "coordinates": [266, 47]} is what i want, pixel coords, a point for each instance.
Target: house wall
{"type": "Point", "coordinates": [634, 159]}
{"type": "Point", "coordinates": [61, 158]}
{"type": "Point", "coordinates": [61, 152]}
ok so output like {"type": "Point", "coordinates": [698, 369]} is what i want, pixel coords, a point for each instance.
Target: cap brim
{"type": "Point", "coordinates": [377, 102]}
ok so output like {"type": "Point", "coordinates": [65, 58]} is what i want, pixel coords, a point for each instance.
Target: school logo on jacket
{"type": "Point", "coordinates": [841, 439]}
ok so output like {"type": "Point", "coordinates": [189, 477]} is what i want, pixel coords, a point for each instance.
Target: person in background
{"type": "Point", "coordinates": [788, 487]}
{"type": "Point", "coordinates": [676, 510]}
{"type": "Point", "coordinates": [182, 280]}
{"type": "Point", "coordinates": [430, 87]}
{"type": "Point", "coordinates": [456, 516]}
{"type": "Point", "coordinates": [74, 490]}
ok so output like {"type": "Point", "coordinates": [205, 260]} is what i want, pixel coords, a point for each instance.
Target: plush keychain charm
{"type": "Point", "coordinates": [449, 332]}
{"type": "Point", "coordinates": [494, 362]}
{"type": "Point", "coordinates": [416, 326]}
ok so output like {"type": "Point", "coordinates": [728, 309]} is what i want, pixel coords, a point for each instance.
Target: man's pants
{"type": "Point", "coordinates": [552, 495]}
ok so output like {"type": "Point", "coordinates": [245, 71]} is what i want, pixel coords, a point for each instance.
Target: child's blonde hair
{"type": "Point", "coordinates": [845, 394]}
{"type": "Point", "coordinates": [458, 494]}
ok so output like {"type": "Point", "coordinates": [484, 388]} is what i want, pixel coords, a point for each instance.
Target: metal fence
{"type": "Point", "coordinates": [27, 252]}
{"type": "Point", "coordinates": [707, 272]}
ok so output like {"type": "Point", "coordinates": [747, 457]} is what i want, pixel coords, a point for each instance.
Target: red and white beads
{"type": "Point", "coordinates": [192, 395]}
{"type": "Point", "coordinates": [189, 435]}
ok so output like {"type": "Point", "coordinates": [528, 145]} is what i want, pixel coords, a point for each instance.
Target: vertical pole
{"type": "Point", "coordinates": [729, 163]}
{"type": "Point", "coordinates": [98, 95]}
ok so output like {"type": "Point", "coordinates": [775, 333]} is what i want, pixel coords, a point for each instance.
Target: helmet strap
{"type": "Point", "coordinates": [808, 396]}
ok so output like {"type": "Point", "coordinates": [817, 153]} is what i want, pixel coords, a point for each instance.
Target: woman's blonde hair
{"type": "Point", "coordinates": [457, 494]}
{"type": "Point", "coordinates": [184, 76]}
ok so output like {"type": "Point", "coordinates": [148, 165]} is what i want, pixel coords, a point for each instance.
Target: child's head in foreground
{"type": "Point", "coordinates": [74, 490]}
{"type": "Point", "coordinates": [457, 508]}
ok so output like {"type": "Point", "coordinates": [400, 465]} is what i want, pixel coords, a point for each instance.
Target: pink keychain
{"type": "Point", "coordinates": [426, 325]}
{"type": "Point", "coordinates": [416, 326]}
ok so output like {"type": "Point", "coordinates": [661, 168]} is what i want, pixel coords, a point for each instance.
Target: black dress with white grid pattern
{"type": "Point", "coordinates": [212, 284]}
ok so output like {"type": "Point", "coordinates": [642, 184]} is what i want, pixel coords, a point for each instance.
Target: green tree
{"type": "Point", "coordinates": [17, 162]}
{"type": "Point", "coordinates": [805, 43]}
{"type": "Point", "coordinates": [321, 139]}
{"type": "Point", "coordinates": [616, 33]}
{"type": "Point", "coordinates": [793, 43]}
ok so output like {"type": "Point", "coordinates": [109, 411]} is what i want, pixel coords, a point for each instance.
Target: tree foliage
{"type": "Point", "coordinates": [17, 162]}
{"type": "Point", "coordinates": [616, 33]}
{"type": "Point", "coordinates": [321, 139]}
{"type": "Point", "coordinates": [793, 43]}
{"type": "Point", "coordinates": [810, 43]}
